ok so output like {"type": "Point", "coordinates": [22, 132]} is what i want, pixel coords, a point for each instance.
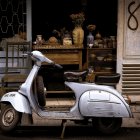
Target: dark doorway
{"type": "Point", "coordinates": [54, 14]}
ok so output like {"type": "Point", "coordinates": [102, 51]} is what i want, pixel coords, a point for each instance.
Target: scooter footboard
{"type": "Point", "coordinates": [97, 103]}
{"type": "Point", "coordinates": [18, 101]}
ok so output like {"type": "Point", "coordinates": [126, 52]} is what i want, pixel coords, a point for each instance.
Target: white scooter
{"type": "Point", "coordinates": [102, 105]}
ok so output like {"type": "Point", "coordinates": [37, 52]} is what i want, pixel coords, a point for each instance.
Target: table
{"type": "Point", "coordinates": [64, 55]}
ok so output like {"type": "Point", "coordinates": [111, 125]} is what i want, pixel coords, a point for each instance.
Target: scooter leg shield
{"type": "Point", "coordinates": [18, 101]}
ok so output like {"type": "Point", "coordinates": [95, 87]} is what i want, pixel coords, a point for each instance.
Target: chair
{"type": "Point", "coordinates": [17, 65]}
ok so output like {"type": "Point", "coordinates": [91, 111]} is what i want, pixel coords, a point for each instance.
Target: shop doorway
{"type": "Point", "coordinates": [55, 15]}
{"type": "Point", "coordinates": [50, 15]}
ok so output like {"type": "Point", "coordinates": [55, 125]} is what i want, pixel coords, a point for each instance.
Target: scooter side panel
{"type": "Point", "coordinates": [99, 103]}
{"type": "Point", "coordinates": [18, 101]}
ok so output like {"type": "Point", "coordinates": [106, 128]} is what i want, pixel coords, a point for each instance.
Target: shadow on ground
{"type": "Point", "coordinates": [71, 133]}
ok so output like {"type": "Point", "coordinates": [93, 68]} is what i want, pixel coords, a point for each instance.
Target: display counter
{"type": "Point", "coordinates": [64, 55]}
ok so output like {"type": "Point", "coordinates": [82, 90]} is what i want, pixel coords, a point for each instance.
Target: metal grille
{"type": "Point", "coordinates": [12, 17]}
{"type": "Point", "coordinates": [131, 79]}
{"type": "Point", "coordinates": [17, 65]}
{"type": "Point", "coordinates": [15, 60]}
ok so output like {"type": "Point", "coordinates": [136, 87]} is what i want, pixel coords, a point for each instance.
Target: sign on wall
{"type": "Point", "coordinates": [132, 29]}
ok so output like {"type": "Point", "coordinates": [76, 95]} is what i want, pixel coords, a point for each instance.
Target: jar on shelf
{"type": "Point", "coordinates": [67, 39]}
{"type": "Point", "coordinates": [114, 41]}
{"type": "Point", "coordinates": [39, 39]}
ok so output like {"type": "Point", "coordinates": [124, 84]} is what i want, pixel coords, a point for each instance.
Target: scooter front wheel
{"type": "Point", "coordinates": [9, 118]}
{"type": "Point", "coordinates": [40, 91]}
{"type": "Point", "coordinates": [107, 125]}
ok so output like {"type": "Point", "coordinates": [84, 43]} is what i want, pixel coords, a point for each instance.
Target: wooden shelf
{"type": "Point", "coordinates": [102, 66]}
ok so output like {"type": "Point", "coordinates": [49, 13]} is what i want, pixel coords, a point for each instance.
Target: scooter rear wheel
{"type": "Point", "coordinates": [9, 119]}
{"type": "Point", "coordinates": [107, 125]}
{"type": "Point", "coordinates": [40, 91]}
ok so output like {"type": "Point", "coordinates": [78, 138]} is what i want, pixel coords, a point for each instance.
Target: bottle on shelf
{"type": "Point", "coordinates": [90, 40]}
{"type": "Point", "coordinates": [90, 37]}
{"type": "Point", "coordinates": [91, 75]}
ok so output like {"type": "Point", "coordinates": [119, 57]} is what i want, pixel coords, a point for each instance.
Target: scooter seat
{"type": "Point", "coordinates": [75, 76]}
{"type": "Point", "coordinates": [107, 79]}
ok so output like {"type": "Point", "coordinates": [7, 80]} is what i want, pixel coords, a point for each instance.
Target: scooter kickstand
{"type": "Point", "coordinates": [63, 124]}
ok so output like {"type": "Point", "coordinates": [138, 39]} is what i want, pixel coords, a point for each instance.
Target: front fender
{"type": "Point", "coordinates": [18, 101]}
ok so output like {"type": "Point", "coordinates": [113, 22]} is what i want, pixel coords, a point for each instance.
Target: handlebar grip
{"type": "Point", "coordinates": [58, 66]}
{"type": "Point", "coordinates": [27, 54]}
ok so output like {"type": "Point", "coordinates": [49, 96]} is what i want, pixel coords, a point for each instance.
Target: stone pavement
{"type": "Point", "coordinates": [127, 122]}
{"type": "Point", "coordinates": [135, 121]}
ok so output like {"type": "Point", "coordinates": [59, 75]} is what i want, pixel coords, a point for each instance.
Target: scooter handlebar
{"type": "Point", "coordinates": [36, 55]}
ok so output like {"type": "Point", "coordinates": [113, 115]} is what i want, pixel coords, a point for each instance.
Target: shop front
{"type": "Point", "coordinates": [110, 42]}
